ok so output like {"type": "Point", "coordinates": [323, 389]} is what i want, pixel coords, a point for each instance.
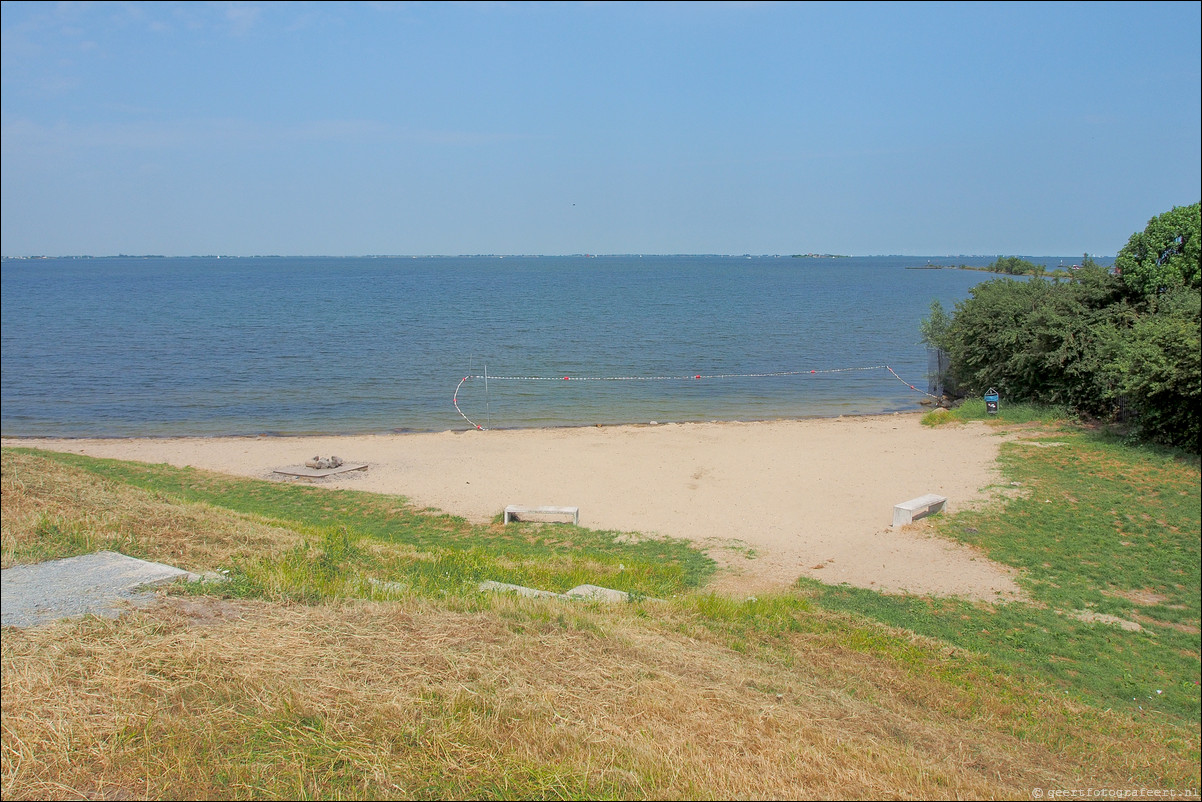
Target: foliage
{"type": "Point", "coordinates": [1040, 341]}
{"type": "Point", "coordinates": [1013, 266]}
{"type": "Point", "coordinates": [934, 327]}
{"type": "Point", "coordinates": [1165, 254]}
{"type": "Point", "coordinates": [1158, 370]}
{"type": "Point", "coordinates": [934, 330]}
{"type": "Point", "coordinates": [1121, 348]}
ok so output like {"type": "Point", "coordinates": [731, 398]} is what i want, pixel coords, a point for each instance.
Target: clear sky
{"type": "Point", "coordinates": [461, 128]}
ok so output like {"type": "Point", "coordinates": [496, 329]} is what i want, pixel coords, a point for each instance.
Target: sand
{"type": "Point", "coordinates": [770, 501]}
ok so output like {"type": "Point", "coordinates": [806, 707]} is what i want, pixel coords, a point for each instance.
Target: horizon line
{"type": "Point", "coordinates": [534, 255]}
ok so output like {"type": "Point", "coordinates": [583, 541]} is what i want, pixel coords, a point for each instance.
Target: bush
{"type": "Point", "coordinates": [1013, 266]}
{"type": "Point", "coordinates": [1040, 341]}
{"type": "Point", "coordinates": [1158, 370]}
{"type": "Point", "coordinates": [1099, 344]}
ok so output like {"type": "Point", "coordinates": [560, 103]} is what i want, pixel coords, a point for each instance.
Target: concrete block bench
{"type": "Point", "coordinates": [907, 511]}
{"type": "Point", "coordinates": [516, 512]}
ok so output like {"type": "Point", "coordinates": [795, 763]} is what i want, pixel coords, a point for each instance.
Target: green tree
{"type": "Point", "coordinates": [1158, 370]}
{"type": "Point", "coordinates": [1165, 254]}
{"type": "Point", "coordinates": [934, 330]}
{"type": "Point", "coordinates": [1013, 266]}
{"type": "Point", "coordinates": [1040, 340]}
{"type": "Point", "coordinates": [1097, 344]}
{"type": "Point", "coordinates": [934, 327]}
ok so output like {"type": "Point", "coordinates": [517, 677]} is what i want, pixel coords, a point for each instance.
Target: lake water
{"type": "Point", "coordinates": [208, 346]}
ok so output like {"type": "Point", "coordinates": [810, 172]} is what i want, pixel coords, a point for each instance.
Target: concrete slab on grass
{"type": "Point", "coordinates": [521, 590]}
{"type": "Point", "coordinates": [101, 584]}
{"type": "Point", "coordinates": [598, 593]}
{"type": "Point", "coordinates": [588, 592]}
{"type": "Point", "coordinates": [305, 472]}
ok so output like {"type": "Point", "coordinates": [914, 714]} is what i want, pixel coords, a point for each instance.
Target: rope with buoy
{"type": "Point", "coordinates": [692, 377]}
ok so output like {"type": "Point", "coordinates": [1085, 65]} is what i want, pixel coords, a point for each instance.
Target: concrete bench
{"type": "Point", "coordinates": [907, 511]}
{"type": "Point", "coordinates": [515, 512]}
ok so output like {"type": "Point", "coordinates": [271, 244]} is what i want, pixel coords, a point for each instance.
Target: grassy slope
{"type": "Point", "coordinates": [297, 680]}
{"type": "Point", "coordinates": [1100, 531]}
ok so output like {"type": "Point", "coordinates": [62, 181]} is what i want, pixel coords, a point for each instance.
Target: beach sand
{"type": "Point", "coordinates": [770, 501]}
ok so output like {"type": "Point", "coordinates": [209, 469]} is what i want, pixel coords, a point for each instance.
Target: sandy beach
{"type": "Point", "coordinates": [770, 501]}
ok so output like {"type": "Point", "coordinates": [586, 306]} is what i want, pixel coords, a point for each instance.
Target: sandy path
{"type": "Point", "coordinates": [807, 497]}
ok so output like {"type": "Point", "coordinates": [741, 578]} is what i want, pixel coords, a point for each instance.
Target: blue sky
{"type": "Point", "coordinates": [457, 128]}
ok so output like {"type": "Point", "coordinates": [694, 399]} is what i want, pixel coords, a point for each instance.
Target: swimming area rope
{"type": "Point", "coordinates": [697, 377]}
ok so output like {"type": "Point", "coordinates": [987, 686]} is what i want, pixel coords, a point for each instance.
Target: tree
{"type": "Point", "coordinates": [933, 328]}
{"type": "Point", "coordinates": [1098, 344]}
{"type": "Point", "coordinates": [1158, 370]}
{"type": "Point", "coordinates": [1165, 254]}
{"type": "Point", "coordinates": [1041, 341]}
{"type": "Point", "coordinates": [934, 331]}
{"type": "Point", "coordinates": [1013, 266]}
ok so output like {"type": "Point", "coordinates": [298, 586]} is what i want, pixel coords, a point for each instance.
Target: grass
{"type": "Point", "coordinates": [1100, 531]}
{"type": "Point", "coordinates": [304, 678]}
{"type": "Point", "coordinates": [429, 552]}
{"type": "Point", "coordinates": [973, 409]}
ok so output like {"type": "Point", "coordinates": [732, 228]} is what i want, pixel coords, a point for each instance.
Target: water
{"type": "Point", "coordinates": [208, 346]}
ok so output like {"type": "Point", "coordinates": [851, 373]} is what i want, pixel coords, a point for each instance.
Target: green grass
{"type": "Point", "coordinates": [58, 537]}
{"type": "Point", "coordinates": [1099, 528]}
{"type": "Point", "coordinates": [973, 409]}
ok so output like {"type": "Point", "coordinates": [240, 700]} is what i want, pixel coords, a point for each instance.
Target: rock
{"type": "Point", "coordinates": [323, 463]}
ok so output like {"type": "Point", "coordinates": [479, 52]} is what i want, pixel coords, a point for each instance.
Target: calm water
{"type": "Point", "coordinates": [206, 346]}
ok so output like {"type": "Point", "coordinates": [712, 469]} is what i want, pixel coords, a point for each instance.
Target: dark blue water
{"type": "Point", "coordinates": [206, 346]}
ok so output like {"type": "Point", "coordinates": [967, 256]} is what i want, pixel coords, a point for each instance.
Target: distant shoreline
{"type": "Point", "coordinates": [45, 257]}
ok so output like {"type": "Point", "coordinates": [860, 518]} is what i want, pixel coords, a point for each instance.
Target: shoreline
{"type": "Point", "coordinates": [921, 409]}
{"type": "Point", "coordinates": [769, 501]}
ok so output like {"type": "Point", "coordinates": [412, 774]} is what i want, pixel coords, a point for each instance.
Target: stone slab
{"type": "Point", "coordinates": [103, 584]}
{"type": "Point", "coordinates": [306, 472]}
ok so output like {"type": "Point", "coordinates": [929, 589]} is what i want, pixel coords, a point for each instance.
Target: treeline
{"type": "Point", "coordinates": [1013, 266]}
{"type": "Point", "coordinates": [1117, 346]}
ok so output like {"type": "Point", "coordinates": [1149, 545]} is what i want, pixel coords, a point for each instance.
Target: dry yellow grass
{"type": "Point", "coordinates": [36, 492]}
{"type": "Point", "coordinates": [506, 697]}
{"type": "Point", "coordinates": [519, 698]}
